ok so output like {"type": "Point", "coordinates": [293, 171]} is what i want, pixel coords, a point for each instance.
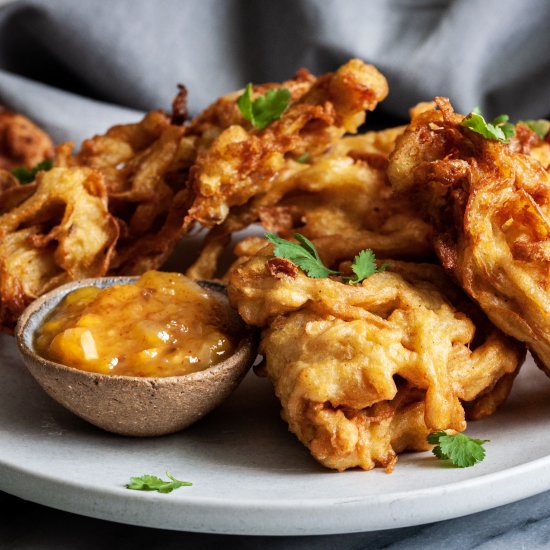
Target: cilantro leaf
{"type": "Point", "coordinates": [364, 265]}
{"type": "Point", "coordinates": [302, 159]}
{"type": "Point", "coordinates": [304, 255]}
{"type": "Point", "coordinates": [154, 483]}
{"type": "Point", "coordinates": [461, 450]}
{"type": "Point", "coordinates": [28, 175]}
{"type": "Point", "coordinates": [307, 245]}
{"type": "Point", "coordinates": [498, 130]}
{"type": "Point", "coordinates": [541, 127]}
{"type": "Point", "coordinates": [245, 102]}
{"type": "Point", "coordinates": [264, 109]}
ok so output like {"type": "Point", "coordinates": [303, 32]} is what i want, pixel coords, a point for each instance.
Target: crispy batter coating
{"type": "Point", "coordinates": [22, 143]}
{"type": "Point", "coordinates": [224, 112]}
{"type": "Point", "coordinates": [343, 203]}
{"type": "Point", "coordinates": [340, 199]}
{"type": "Point", "coordinates": [490, 205]}
{"type": "Point", "coordinates": [365, 372]}
{"type": "Point", "coordinates": [12, 192]}
{"type": "Point", "coordinates": [145, 166]}
{"type": "Point", "coordinates": [62, 232]}
{"type": "Point", "coordinates": [528, 142]}
{"type": "Point", "coordinates": [242, 161]}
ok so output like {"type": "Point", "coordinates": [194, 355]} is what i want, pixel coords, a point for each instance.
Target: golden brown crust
{"type": "Point", "coordinates": [145, 166]}
{"type": "Point", "coordinates": [22, 143]}
{"type": "Point", "coordinates": [490, 205]}
{"type": "Point", "coordinates": [62, 232]}
{"type": "Point", "coordinates": [241, 161]}
{"type": "Point", "coordinates": [367, 371]}
{"type": "Point", "coordinates": [341, 200]}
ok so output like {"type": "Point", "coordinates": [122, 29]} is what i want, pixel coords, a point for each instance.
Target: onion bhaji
{"type": "Point", "coordinates": [343, 202]}
{"type": "Point", "coordinates": [22, 143]}
{"type": "Point", "coordinates": [489, 203]}
{"type": "Point", "coordinates": [62, 232]}
{"type": "Point", "coordinates": [241, 164]}
{"type": "Point", "coordinates": [145, 167]}
{"type": "Point", "coordinates": [365, 372]}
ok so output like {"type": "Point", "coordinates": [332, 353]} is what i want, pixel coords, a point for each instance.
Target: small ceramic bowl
{"type": "Point", "coordinates": [132, 405]}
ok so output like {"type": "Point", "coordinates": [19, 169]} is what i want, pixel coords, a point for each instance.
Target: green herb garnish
{"type": "Point", "coordinates": [264, 109]}
{"type": "Point", "coordinates": [364, 265]}
{"type": "Point", "coordinates": [305, 256]}
{"type": "Point", "coordinates": [28, 175]}
{"type": "Point", "coordinates": [154, 483]}
{"type": "Point", "coordinates": [303, 158]}
{"type": "Point", "coordinates": [499, 129]}
{"type": "Point", "coordinates": [461, 450]}
{"type": "Point", "coordinates": [541, 127]}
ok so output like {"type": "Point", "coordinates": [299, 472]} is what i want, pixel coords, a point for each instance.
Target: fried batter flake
{"type": "Point", "coordinates": [12, 192]}
{"type": "Point", "coordinates": [22, 143]}
{"type": "Point", "coordinates": [365, 372]}
{"type": "Point", "coordinates": [490, 206]}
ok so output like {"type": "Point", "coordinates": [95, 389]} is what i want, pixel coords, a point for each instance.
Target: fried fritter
{"type": "Point", "coordinates": [62, 232]}
{"type": "Point", "coordinates": [343, 203]}
{"type": "Point", "coordinates": [340, 199]}
{"type": "Point", "coordinates": [241, 164]}
{"type": "Point", "coordinates": [118, 206]}
{"type": "Point", "coordinates": [22, 143]}
{"type": "Point", "coordinates": [157, 173]}
{"type": "Point", "coordinates": [145, 166]}
{"type": "Point", "coordinates": [490, 205]}
{"type": "Point", "coordinates": [365, 372]}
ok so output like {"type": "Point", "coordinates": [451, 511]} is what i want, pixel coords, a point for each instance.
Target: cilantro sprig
{"type": "Point", "coordinates": [499, 129]}
{"type": "Point", "coordinates": [28, 175]}
{"type": "Point", "coordinates": [154, 483]}
{"type": "Point", "coordinates": [364, 265]}
{"type": "Point", "coordinates": [266, 108]}
{"type": "Point", "coordinates": [540, 126]}
{"type": "Point", "coordinates": [305, 256]}
{"type": "Point", "coordinates": [462, 451]}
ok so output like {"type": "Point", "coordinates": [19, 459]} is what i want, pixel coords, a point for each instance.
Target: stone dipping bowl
{"type": "Point", "coordinates": [133, 405]}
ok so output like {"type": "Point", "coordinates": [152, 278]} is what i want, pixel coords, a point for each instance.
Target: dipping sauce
{"type": "Point", "coordinates": [163, 325]}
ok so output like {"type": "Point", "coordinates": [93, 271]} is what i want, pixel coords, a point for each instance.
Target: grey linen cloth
{"type": "Point", "coordinates": [78, 66]}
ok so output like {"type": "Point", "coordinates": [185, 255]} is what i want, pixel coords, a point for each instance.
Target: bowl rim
{"type": "Point", "coordinates": [246, 345]}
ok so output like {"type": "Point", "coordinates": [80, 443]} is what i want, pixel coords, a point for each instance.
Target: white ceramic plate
{"type": "Point", "coordinates": [250, 476]}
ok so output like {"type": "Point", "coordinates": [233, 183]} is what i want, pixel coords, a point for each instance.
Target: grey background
{"type": "Point", "coordinates": [79, 66]}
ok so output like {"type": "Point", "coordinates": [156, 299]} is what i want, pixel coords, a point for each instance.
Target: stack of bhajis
{"type": "Point", "coordinates": [363, 371]}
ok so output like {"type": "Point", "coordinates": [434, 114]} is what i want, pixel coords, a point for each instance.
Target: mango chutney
{"type": "Point", "coordinates": [162, 325]}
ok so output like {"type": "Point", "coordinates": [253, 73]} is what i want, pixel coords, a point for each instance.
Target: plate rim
{"type": "Point", "coordinates": [263, 517]}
